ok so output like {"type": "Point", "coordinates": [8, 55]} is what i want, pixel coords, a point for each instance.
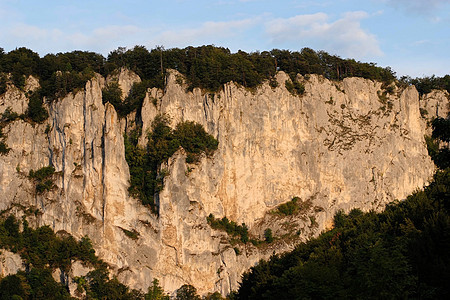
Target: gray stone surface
{"type": "Point", "coordinates": [10, 263]}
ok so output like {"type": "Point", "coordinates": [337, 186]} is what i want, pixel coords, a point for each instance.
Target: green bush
{"type": "Point", "coordinates": [294, 87]}
{"type": "Point", "coordinates": [42, 173]}
{"type": "Point", "coordinates": [4, 149]}
{"type": "Point", "coordinates": [112, 93]}
{"type": "Point", "coordinates": [294, 206]}
{"type": "Point", "coordinates": [43, 252]}
{"type": "Point", "coordinates": [43, 178]}
{"type": "Point", "coordinates": [194, 140]}
{"type": "Point", "coordinates": [273, 83]}
{"type": "Point", "coordinates": [18, 79]}
{"type": "Point", "coordinates": [155, 292]}
{"type": "Point", "coordinates": [36, 111]}
{"type": "Point", "coordinates": [187, 292]}
{"type": "Point", "coordinates": [230, 227]}
{"type": "Point", "coordinates": [268, 235]}
{"type": "Point", "coordinates": [3, 83]}
{"type": "Point", "coordinates": [423, 112]}
{"type": "Point", "coordinates": [441, 132]}
{"type": "Point", "coordinates": [136, 96]}
{"type": "Point", "coordinates": [289, 208]}
{"type": "Point", "coordinates": [132, 234]}
{"type": "Point", "coordinates": [44, 186]}
{"type": "Point", "coordinates": [9, 116]}
{"type": "Point", "coordinates": [35, 284]}
{"type": "Point", "coordinates": [97, 285]}
{"type": "Point", "coordinates": [42, 248]}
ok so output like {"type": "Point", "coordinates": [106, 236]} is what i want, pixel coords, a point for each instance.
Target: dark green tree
{"type": "Point", "coordinates": [112, 93]}
{"type": "Point", "coordinates": [187, 292]}
{"type": "Point", "coordinates": [155, 292]}
{"type": "Point", "coordinates": [268, 237]}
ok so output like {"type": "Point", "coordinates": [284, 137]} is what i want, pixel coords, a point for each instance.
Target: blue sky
{"type": "Point", "coordinates": [411, 36]}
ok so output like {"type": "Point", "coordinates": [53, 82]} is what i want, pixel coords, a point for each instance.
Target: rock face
{"type": "Point", "coordinates": [341, 145]}
{"type": "Point", "coordinates": [10, 263]}
{"type": "Point", "coordinates": [435, 104]}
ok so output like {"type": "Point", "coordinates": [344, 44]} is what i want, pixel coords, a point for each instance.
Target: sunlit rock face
{"type": "Point", "coordinates": [340, 145]}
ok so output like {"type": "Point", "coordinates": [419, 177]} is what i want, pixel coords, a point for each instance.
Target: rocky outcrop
{"type": "Point", "coordinates": [435, 104]}
{"type": "Point", "coordinates": [10, 263]}
{"type": "Point", "coordinates": [341, 145]}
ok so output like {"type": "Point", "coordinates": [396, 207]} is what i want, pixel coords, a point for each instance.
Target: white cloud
{"type": "Point", "coordinates": [344, 36]}
{"type": "Point", "coordinates": [107, 38]}
{"type": "Point", "coordinates": [418, 6]}
{"type": "Point", "coordinates": [104, 35]}
{"type": "Point", "coordinates": [420, 42]}
{"type": "Point", "coordinates": [28, 32]}
{"type": "Point", "coordinates": [206, 33]}
{"type": "Point", "coordinates": [42, 40]}
{"type": "Point", "coordinates": [313, 4]}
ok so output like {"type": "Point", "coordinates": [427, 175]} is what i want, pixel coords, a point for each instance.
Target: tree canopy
{"type": "Point", "coordinates": [206, 67]}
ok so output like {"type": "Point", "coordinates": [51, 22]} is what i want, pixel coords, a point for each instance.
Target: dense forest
{"type": "Point", "coordinates": [400, 253]}
{"type": "Point", "coordinates": [206, 67]}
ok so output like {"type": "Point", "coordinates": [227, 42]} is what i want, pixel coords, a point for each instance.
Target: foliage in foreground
{"type": "Point", "coordinates": [42, 248]}
{"type": "Point", "coordinates": [400, 253]}
{"type": "Point", "coordinates": [43, 252]}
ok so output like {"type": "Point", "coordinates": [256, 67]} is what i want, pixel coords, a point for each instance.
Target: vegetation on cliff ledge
{"type": "Point", "coordinates": [146, 175]}
{"type": "Point", "coordinates": [230, 227]}
{"type": "Point", "coordinates": [43, 178]}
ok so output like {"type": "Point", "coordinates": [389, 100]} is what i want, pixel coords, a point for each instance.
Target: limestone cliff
{"type": "Point", "coordinates": [340, 145]}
